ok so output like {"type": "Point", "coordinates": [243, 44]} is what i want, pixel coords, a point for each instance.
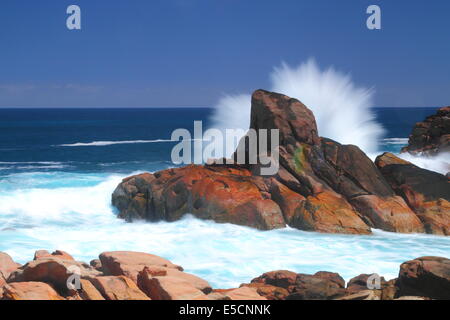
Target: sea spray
{"type": "Point", "coordinates": [342, 110]}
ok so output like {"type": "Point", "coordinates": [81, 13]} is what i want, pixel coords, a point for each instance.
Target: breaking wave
{"type": "Point", "coordinates": [342, 110]}
{"type": "Point", "coordinates": [109, 143]}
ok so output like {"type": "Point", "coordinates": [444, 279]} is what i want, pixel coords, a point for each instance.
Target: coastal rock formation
{"type": "Point", "coordinates": [29, 291]}
{"type": "Point", "coordinates": [52, 270]}
{"type": "Point", "coordinates": [129, 264]}
{"type": "Point", "coordinates": [160, 279]}
{"type": "Point", "coordinates": [425, 276]}
{"type": "Point", "coordinates": [426, 192]}
{"type": "Point", "coordinates": [431, 136]}
{"type": "Point", "coordinates": [7, 265]}
{"type": "Point", "coordinates": [321, 185]}
{"type": "Point", "coordinates": [320, 286]}
{"type": "Point", "coordinates": [118, 288]}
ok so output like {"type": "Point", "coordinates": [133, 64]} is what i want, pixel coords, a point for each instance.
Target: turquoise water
{"type": "Point", "coordinates": [57, 176]}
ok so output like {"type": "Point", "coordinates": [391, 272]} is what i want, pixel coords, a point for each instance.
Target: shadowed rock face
{"type": "Point", "coordinates": [426, 192]}
{"type": "Point", "coordinates": [432, 136]}
{"type": "Point", "coordinates": [425, 276]}
{"type": "Point", "coordinates": [321, 185]}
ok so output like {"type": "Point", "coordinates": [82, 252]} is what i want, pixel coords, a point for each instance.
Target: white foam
{"type": "Point", "coordinates": [109, 143]}
{"type": "Point", "coordinates": [32, 162]}
{"type": "Point", "coordinates": [400, 141]}
{"type": "Point", "coordinates": [439, 163]}
{"type": "Point", "coordinates": [342, 110]}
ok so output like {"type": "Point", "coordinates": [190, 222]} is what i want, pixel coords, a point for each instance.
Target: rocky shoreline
{"type": "Point", "coordinates": [431, 136]}
{"type": "Point", "coordinates": [321, 185]}
{"type": "Point", "coordinates": [126, 275]}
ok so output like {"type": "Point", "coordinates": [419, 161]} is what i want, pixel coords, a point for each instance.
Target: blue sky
{"type": "Point", "coordinates": [145, 53]}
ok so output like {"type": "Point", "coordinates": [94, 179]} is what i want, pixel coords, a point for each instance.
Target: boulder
{"type": "Point", "coordinates": [117, 288]}
{"type": "Point", "coordinates": [292, 286]}
{"type": "Point", "coordinates": [168, 287]}
{"type": "Point", "coordinates": [29, 291]}
{"type": "Point", "coordinates": [96, 264]}
{"type": "Point", "coordinates": [88, 291]}
{"type": "Point", "coordinates": [268, 291]}
{"type": "Point", "coordinates": [129, 263]}
{"type": "Point", "coordinates": [157, 271]}
{"type": "Point", "coordinates": [360, 283]}
{"type": "Point", "coordinates": [425, 277]}
{"type": "Point", "coordinates": [352, 174]}
{"type": "Point", "coordinates": [426, 192]}
{"type": "Point", "coordinates": [431, 136]}
{"type": "Point", "coordinates": [281, 278]}
{"type": "Point", "coordinates": [316, 287]}
{"type": "Point", "coordinates": [52, 270]}
{"type": "Point", "coordinates": [7, 265]}
{"type": "Point", "coordinates": [363, 295]}
{"type": "Point", "coordinates": [208, 192]}
{"type": "Point", "coordinates": [242, 293]}
{"type": "Point", "coordinates": [40, 254]}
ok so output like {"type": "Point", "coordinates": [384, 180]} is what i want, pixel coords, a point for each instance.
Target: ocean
{"type": "Point", "coordinates": [59, 167]}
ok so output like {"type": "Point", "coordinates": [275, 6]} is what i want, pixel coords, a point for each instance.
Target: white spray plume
{"type": "Point", "coordinates": [342, 110]}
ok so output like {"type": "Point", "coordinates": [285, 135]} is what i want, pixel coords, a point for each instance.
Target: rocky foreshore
{"type": "Point", "coordinates": [321, 185]}
{"type": "Point", "coordinates": [125, 275]}
{"type": "Point", "coordinates": [431, 136]}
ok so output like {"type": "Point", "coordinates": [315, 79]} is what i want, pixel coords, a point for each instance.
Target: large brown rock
{"type": "Point", "coordinates": [42, 254]}
{"type": "Point", "coordinates": [351, 173]}
{"type": "Point", "coordinates": [88, 291]}
{"type": "Point", "coordinates": [268, 291]}
{"type": "Point", "coordinates": [426, 192]}
{"type": "Point", "coordinates": [242, 293]}
{"type": "Point", "coordinates": [319, 286]}
{"type": "Point", "coordinates": [281, 278]}
{"type": "Point", "coordinates": [29, 291]}
{"type": "Point", "coordinates": [168, 287]}
{"type": "Point", "coordinates": [54, 271]}
{"type": "Point", "coordinates": [431, 136]}
{"type": "Point", "coordinates": [129, 263]}
{"type": "Point", "coordinates": [118, 288]}
{"type": "Point", "coordinates": [7, 265]}
{"type": "Point", "coordinates": [209, 192]}
{"type": "Point", "coordinates": [157, 271]}
{"type": "Point", "coordinates": [316, 287]}
{"type": "Point", "coordinates": [321, 185]}
{"type": "Point", "coordinates": [426, 277]}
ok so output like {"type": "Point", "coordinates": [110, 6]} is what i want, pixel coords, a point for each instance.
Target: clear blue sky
{"type": "Point", "coordinates": [189, 52]}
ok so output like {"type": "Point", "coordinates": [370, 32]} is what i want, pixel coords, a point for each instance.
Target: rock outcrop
{"type": "Point", "coordinates": [29, 291]}
{"type": "Point", "coordinates": [321, 185]}
{"type": "Point", "coordinates": [426, 277]}
{"type": "Point", "coordinates": [160, 279]}
{"type": "Point", "coordinates": [320, 286]}
{"type": "Point", "coordinates": [7, 265]}
{"type": "Point", "coordinates": [426, 192]}
{"type": "Point", "coordinates": [431, 136]}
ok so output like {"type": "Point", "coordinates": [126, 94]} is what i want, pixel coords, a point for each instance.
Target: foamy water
{"type": "Point", "coordinates": [72, 212]}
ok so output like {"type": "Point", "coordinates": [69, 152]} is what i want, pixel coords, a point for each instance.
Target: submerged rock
{"type": "Point", "coordinates": [431, 136]}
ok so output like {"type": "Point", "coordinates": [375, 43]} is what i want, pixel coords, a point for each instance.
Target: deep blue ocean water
{"type": "Point", "coordinates": [58, 168]}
